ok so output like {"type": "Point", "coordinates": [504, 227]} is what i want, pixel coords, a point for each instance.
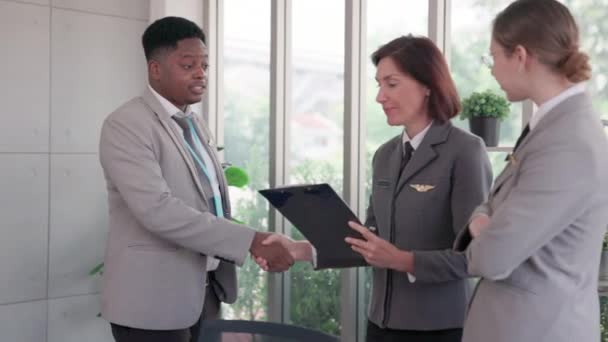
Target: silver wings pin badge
{"type": "Point", "coordinates": [422, 187]}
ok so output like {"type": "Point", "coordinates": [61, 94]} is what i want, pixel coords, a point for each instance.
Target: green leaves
{"type": "Point", "coordinates": [96, 270]}
{"type": "Point", "coordinates": [236, 176]}
{"type": "Point", "coordinates": [485, 104]}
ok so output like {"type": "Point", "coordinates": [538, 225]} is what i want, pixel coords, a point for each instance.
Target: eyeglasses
{"type": "Point", "coordinates": [487, 60]}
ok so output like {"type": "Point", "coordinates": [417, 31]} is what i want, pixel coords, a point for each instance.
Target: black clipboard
{"type": "Point", "coordinates": [322, 217]}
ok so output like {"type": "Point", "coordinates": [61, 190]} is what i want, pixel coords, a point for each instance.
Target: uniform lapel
{"type": "Point", "coordinates": [394, 163]}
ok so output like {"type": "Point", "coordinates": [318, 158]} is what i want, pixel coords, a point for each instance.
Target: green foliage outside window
{"type": "Point", "coordinates": [315, 295]}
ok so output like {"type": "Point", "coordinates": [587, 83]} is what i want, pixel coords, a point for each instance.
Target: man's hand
{"type": "Point", "coordinates": [299, 250]}
{"type": "Point", "coordinates": [278, 258]}
{"type": "Point", "coordinates": [379, 252]}
{"type": "Point", "coordinates": [478, 224]}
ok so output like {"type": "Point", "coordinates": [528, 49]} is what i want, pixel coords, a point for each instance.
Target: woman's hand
{"type": "Point", "coordinates": [379, 252]}
{"type": "Point", "coordinates": [478, 224]}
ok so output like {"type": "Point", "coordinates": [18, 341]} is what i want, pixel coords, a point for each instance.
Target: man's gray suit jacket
{"type": "Point", "coordinates": [161, 228]}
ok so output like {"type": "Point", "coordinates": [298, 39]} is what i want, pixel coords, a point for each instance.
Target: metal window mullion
{"type": "Point", "coordinates": [352, 290]}
{"type": "Point", "coordinates": [352, 280]}
{"type": "Point", "coordinates": [280, 106]}
{"type": "Point", "coordinates": [219, 75]}
{"type": "Point", "coordinates": [447, 29]}
{"type": "Point", "coordinates": [438, 24]}
{"type": "Point", "coordinates": [213, 102]}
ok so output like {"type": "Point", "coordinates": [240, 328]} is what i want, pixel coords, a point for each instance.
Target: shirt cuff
{"type": "Point", "coordinates": [411, 278]}
{"type": "Point", "coordinates": [212, 263]}
{"type": "Point", "coordinates": [314, 256]}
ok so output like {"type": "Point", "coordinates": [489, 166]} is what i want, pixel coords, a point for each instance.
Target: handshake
{"type": "Point", "coordinates": [277, 253]}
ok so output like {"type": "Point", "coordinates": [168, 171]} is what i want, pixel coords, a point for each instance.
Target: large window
{"type": "Point", "coordinates": [246, 116]}
{"type": "Point", "coordinates": [316, 142]}
{"type": "Point", "coordinates": [315, 126]}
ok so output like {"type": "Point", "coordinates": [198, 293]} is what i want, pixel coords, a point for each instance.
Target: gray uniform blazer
{"type": "Point", "coordinates": [455, 164]}
{"type": "Point", "coordinates": [539, 257]}
{"type": "Point", "coordinates": [161, 228]}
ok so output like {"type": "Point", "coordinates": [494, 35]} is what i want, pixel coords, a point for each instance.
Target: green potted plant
{"type": "Point", "coordinates": [485, 110]}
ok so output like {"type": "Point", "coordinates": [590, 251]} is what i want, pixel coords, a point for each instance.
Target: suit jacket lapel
{"type": "Point", "coordinates": [502, 177]}
{"type": "Point", "coordinates": [158, 109]}
{"type": "Point", "coordinates": [394, 163]}
{"type": "Point", "coordinates": [425, 153]}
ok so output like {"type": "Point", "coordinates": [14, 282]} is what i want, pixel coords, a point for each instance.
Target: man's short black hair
{"type": "Point", "coordinates": [166, 32]}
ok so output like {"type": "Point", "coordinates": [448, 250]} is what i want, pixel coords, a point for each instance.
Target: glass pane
{"type": "Point", "coordinates": [246, 124]}
{"type": "Point", "coordinates": [316, 142]}
{"type": "Point", "coordinates": [591, 16]}
{"type": "Point", "coordinates": [386, 20]}
{"type": "Point", "coordinates": [470, 39]}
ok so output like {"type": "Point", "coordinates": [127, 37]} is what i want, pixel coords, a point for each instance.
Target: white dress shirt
{"type": "Point", "coordinates": [212, 263]}
{"type": "Point", "coordinates": [417, 139]}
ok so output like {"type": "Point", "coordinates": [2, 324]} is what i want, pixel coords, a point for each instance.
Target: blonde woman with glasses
{"type": "Point", "coordinates": [536, 242]}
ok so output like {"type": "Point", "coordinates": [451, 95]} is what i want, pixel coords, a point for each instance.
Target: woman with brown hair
{"type": "Point", "coordinates": [536, 242]}
{"type": "Point", "coordinates": [426, 183]}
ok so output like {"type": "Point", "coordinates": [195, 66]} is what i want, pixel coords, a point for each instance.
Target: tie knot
{"type": "Point", "coordinates": [182, 121]}
{"type": "Point", "coordinates": [407, 148]}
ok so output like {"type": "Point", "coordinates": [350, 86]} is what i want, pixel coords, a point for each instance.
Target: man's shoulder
{"type": "Point", "coordinates": [134, 108]}
{"type": "Point", "coordinates": [134, 116]}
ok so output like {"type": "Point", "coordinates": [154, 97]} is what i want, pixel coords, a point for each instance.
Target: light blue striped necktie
{"type": "Point", "coordinates": [195, 147]}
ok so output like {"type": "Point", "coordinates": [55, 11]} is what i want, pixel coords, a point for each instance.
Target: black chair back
{"type": "Point", "coordinates": [254, 331]}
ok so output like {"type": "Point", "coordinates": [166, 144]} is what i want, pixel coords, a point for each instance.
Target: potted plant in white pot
{"type": "Point", "coordinates": [485, 110]}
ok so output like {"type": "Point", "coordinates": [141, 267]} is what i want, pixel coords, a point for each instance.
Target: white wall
{"type": "Point", "coordinates": [189, 9]}
{"type": "Point", "coordinates": [66, 64]}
